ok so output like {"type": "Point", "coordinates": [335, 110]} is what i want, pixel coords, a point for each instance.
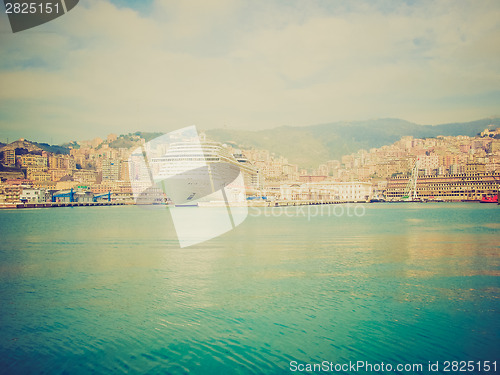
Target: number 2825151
{"type": "Point", "coordinates": [31, 8]}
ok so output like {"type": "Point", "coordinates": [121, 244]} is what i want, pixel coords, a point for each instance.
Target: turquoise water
{"type": "Point", "coordinates": [108, 290]}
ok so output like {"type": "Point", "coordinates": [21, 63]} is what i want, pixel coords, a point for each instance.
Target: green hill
{"type": "Point", "coordinates": [130, 140]}
{"type": "Point", "coordinates": [311, 145]}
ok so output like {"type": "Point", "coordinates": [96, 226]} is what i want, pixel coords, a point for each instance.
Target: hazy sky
{"type": "Point", "coordinates": [116, 66]}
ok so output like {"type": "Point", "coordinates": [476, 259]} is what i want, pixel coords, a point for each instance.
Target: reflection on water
{"type": "Point", "coordinates": [107, 289]}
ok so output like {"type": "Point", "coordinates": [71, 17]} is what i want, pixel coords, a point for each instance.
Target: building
{"type": "Point", "coordinates": [85, 176]}
{"type": "Point", "coordinates": [12, 193]}
{"type": "Point", "coordinates": [456, 169]}
{"type": "Point", "coordinates": [312, 178]}
{"type": "Point", "coordinates": [329, 191]}
{"type": "Point", "coordinates": [40, 176]}
{"type": "Point", "coordinates": [32, 195]}
{"type": "Point", "coordinates": [57, 174]}
{"type": "Point", "coordinates": [55, 162]}
{"type": "Point", "coordinates": [61, 162]}
{"type": "Point", "coordinates": [429, 163]}
{"type": "Point", "coordinates": [47, 185]}
{"type": "Point", "coordinates": [124, 171]}
{"type": "Point", "coordinates": [111, 169]}
{"type": "Point", "coordinates": [30, 160]}
{"type": "Point", "coordinates": [468, 186]}
{"type": "Point", "coordinates": [9, 157]}
{"type": "Point", "coordinates": [12, 190]}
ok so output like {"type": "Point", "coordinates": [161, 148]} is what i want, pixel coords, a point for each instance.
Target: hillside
{"type": "Point", "coordinates": [131, 140]}
{"type": "Point", "coordinates": [21, 144]}
{"type": "Point", "coordinates": [34, 147]}
{"type": "Point", "coordinates": [55, 149]}
{"type": "Point", "coordinates": [311, 145]}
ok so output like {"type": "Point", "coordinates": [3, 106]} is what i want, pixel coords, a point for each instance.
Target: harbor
{"type": "Point", "coordinates": [109, 291]}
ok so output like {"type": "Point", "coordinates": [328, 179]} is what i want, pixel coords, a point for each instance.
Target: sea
{"type": "Point", "coordinates": [104, 290]}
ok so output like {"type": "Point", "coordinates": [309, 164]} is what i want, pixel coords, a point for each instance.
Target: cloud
{"type": "Point", "coordinates": [103, 68]}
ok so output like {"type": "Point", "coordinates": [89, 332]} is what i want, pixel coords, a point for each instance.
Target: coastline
{"type": "Point", "coordinates": [263, 204]}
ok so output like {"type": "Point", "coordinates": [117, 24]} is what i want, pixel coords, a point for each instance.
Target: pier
{"type": "Point", "coordinates": [310, 202]}
{"type": "Point", "coordinates": [58, 204]}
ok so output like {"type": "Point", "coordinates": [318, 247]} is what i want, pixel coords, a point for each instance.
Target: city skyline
{"type": "Point", "coordinates": [115, 67]}
{"type": "Point", "coordinates": [443, 168]}
{"type": "Point", "coordinates": [437, 156]}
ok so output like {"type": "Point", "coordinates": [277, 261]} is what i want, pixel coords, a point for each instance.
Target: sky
{"type": "Point", "coordinates": [159, 65]}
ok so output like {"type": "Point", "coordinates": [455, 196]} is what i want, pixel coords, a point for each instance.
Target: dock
{"type": "Point", "coordinates": [58, 204]}
{"type": "Point", "coordinates": [285, 203]}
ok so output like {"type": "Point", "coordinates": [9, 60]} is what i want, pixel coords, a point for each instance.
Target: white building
{"type": "Point", "coordinates": [353, 191]}
{"type": "Point", "coordinates": [32, 196]}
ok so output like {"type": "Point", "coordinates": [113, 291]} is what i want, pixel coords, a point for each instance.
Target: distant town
{"type": "Point", "coordinates": [442, 168]}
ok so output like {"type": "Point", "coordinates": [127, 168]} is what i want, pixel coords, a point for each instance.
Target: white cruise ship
{"type": "Point", "coordinates": [193, 172]}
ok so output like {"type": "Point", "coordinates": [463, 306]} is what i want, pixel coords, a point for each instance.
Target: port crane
{"type": "Point", "coordinates": [410, 193]}
{"type": "Point", "coordinates": [69, 194]}
{"type": "Point", "coordinates": [108, 194]}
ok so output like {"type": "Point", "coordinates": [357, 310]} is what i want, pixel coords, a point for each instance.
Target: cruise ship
{"type": "Point", "coordinates": [203, 171]}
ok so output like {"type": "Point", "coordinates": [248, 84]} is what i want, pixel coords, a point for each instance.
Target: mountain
{"type": "Point", "coordinates": [310, 146]}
